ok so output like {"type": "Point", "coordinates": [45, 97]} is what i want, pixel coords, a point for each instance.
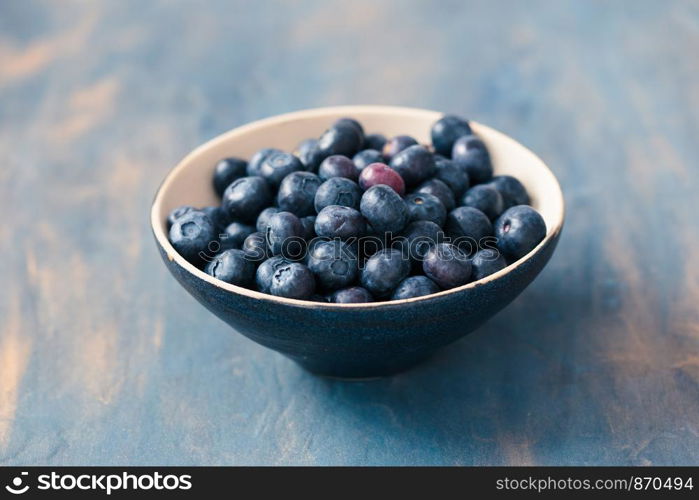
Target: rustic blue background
{"type": "Point", "coordinates": [104, 359]}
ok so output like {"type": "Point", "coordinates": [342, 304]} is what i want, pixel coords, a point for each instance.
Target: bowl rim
{"type": "Point", "coordinates": [157, 225]}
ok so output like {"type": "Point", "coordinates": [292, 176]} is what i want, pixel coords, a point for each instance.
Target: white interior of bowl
{"type": "Point", "coordinates": [189, 183]}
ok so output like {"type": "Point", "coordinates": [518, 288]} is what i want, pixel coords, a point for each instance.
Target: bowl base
{"type": "Point", "coordinates": [361, 372]}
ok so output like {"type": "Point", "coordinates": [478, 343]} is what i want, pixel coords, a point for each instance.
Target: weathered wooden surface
{"type": "Point", "coordinates": [104, 359]}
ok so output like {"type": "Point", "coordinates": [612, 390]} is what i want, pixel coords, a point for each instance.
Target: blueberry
{"type": "Point", "coordinates": [366, 157]}
{"type": "Point", "coordinates": [305, 152]}
{"type": "Point", "coordinates": [263, 219]}
{"type": "Point", "coordinates": [383, 271]}
{"type": "Point", "coordinates": [486, 262]}
{"type": "Point", "coordinates": [518, 230]}
{"type": "Point", "coordinates": [234, 235]}
{"type": "Point", "coordinates": [316, 297]}
{"type": "Point", "coordinates": [468, 226]}
{"type": "Point", "coordinates": [277, 166]}
{"type": "Point", "coordinates": [255, 248]}
{"type": "Point", "coordinates": [293, 280]}
{"type": "Point", "coordinates": [512, 191]}
{"type": "Point", "coordinates": [452, 175]}
{"type": "Point", "coordinates": [375, 142]}
{"type": "Point", "coordinates": [191, 234]}
{"type": "Point", "coordinates": [245, 198]}
{"type": "Point", "coordinates": [297, 193]}
{"type": "Point", "coordinates": [352, 123]}
{"type": "Point", "coordinates": [446, 131]}
{"type": "Point", "coordinates": [177, 213]}
{"type": "Point", "coordinates": [447, 266]}
{"type": "Point", "coordinates": [217, 216]}
{"type": "Point", "coordinates": [351, 295]}
{"type": "Point", "coordinates": [414, 286]}
{"type": "Point", "coordinates": [467, 144]}
{"type": "Point", "coordinates": [397, 144]}
{"type": "Point", "coordinates": [336, 221]}
{"type": "Point", "coordinates": [369, 245]}
{"type": "Point", "coordinates": [380, 173]}
{"type": "Point", "coordinates": [334, 264]}
{"type": "Point", "coordinates": [285, 235]}
{"type": "Point", "coordinates": [337, 166]}
{"type": "Point", "coordinates": [255, 162]}
{"type": "Point", "coordinates": [226, 171]}
{"type": "Point", "coordinates": [384, 209]}
{"type": "Point", "coordinates": [338, 191]}
{"type": "Point", "coordinates": [232, 266]}
{"type": "Point", "coordinates": [340, 139]}
{"type": "Point", "coordinates": [485, 198]}
{"type": "Point", "coordinates": [471, 155]}
{"type": "Point", "coordinates": [437, 188]}
{"type": "Point", "coordinates": [263, 277]}
{"type": "Point", "coordinates": [308, 223]}
{"type": "Point", "coordinates": [420, 236]}
{"type": "Point", "coordinates": [414, 164]}
{"type": "Point", "coordinates": [425, 206]}
{"type": "Point", "coordinates": [313, 158]}
{"type": "Point", "coordinates": [311, 244]}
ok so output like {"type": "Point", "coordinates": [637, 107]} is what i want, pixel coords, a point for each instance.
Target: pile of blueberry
{"type": "Point", "coordinates": [351, 218]}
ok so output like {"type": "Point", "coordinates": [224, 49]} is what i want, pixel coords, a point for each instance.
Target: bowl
{"type": "Point", "coordinates": [354, 340]}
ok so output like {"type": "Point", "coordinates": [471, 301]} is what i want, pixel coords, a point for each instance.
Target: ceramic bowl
{"type": "Point", "coordinates": [354, 340]}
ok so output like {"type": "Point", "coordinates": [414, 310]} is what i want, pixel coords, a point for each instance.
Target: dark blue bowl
{"type": "Point", "coordinates": [354, 340]}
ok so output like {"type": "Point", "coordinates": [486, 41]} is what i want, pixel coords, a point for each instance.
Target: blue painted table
{"type": "Point", "coordinates": [104, 359]}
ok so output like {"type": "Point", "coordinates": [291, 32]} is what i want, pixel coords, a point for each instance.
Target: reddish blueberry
{"type": "Point", "coordinates": [380, 173]}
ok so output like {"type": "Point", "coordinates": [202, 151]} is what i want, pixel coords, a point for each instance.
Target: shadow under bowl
{"type": "Point", "coordinates": [354, 340]}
